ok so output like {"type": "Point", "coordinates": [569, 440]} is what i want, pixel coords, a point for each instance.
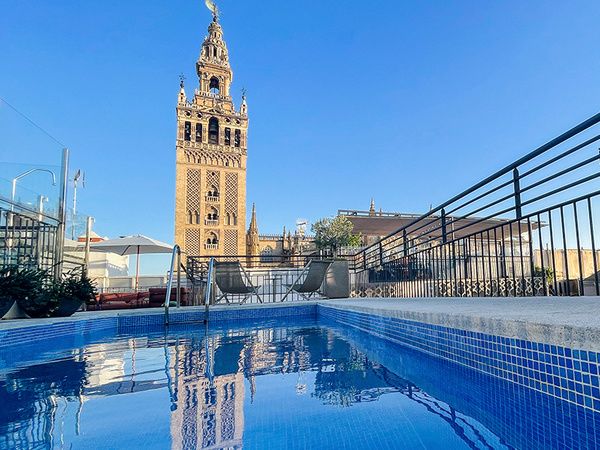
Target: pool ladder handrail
{"type": "Point", "coordinates": [175, 259]}
{"type": "Point", "coordinates": [209, 283]}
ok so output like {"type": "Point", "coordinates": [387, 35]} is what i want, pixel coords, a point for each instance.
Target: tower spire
{"type": "Point", "coordinates": [213, 69]}
{"type": "Point", "coordinates": [244, 106]}
{"type": "Point", "coordinates": [252, 238]}
{"type": "Point", "coordinates": [372, 207]}
{"type": "Point", "coordinates": [182, 97]}
{"type": "Point", "coordinates": [253, 224]}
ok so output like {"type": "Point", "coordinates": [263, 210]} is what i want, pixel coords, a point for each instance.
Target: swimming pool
{"type": "Point", "coordinates": [318, 378]}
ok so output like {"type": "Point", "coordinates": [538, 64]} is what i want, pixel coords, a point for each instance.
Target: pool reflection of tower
{"type": "Point", "coordinates": [209, 407]}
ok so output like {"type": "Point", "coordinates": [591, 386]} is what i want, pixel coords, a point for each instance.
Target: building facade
{"type": "Point", "coordinates": [269, 248]}
{"type": "Point", "coordinates": [211, 152]}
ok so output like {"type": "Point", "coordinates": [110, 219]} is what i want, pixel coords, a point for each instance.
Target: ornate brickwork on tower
{"type": "Point", "coordinates": [210, 202]}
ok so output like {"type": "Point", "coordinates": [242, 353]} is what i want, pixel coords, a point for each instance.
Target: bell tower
{"type": "Point", "coordinates": [211, 153]}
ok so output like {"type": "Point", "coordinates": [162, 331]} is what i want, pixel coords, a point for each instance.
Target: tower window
{"type": "Point", "coordinates": [187, 131]}
{"type": "Point", "coordinates": [213, 193]}
{"type": "Point", "coordinates": [214, 86]}
{"type": "Point", "coordinates": [212, 239]}
{"type": "Point", "coordinates": [198, 132]}
{"type": "Point", "coordinates": [213, 130]}
{"type": "Point", "coordinates": [238, 138]}
{"type": "Point", "coordinates": [227, 136]}
{"type": "Point", "coordinates": [212, 215]}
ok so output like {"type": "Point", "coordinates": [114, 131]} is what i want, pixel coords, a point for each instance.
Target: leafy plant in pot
{"type": "Point", "coordinates": [26, 286]}
{"type": "Point", "coordinates": [71, 292]}
{"type": "Point", "coordinates": [16, 283]}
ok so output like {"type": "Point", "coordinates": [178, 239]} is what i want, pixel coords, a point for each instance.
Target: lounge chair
{"type": "Point", "coordinates": [317, 269]}
{"type": "Point", "coordinates": [157, 297]}
{"type": "Point", "coordinates": [122, 300]}
{"type": "Point", "coordinates": [229, 279]}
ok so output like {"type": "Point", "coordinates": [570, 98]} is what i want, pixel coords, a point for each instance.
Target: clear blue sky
{"type": "Point", "coordinates": [407, 102]}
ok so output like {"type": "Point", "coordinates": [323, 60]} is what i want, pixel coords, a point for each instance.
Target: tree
{"type": "Point", "coordinates": [333, 233]}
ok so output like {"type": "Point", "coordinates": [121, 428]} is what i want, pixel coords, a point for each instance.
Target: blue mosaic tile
{"type": "Point", "coordinates": [568, 374]}
{"type": "Point", "coordinates": [33, 333]}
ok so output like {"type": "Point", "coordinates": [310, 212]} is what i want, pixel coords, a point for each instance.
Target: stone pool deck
{"type": "Point", "coordinates": [567, 321]}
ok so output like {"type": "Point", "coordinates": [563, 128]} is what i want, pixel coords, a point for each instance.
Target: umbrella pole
{"type": "Point", "coordinates": [137, 269]}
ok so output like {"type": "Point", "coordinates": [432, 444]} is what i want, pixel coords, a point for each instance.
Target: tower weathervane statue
{"type": "Point", "coordinates": [212, 6]}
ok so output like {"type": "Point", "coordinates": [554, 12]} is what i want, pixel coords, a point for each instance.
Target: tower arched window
{"type": "Point", "coordinates": [214, 86]}
{"type": "Point", "coordinates": [212, 215]}
{"type": "Point", "coordinates": [187, 131]}
{"type": "Point", "coordinates": [212, 239]}
{"type": "Point", "coordinates": [213, 131]}
{"type": "Point", "coordinates": [212, 193]}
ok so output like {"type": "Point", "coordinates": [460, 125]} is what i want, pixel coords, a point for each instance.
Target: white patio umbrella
{"type": "Point", "coordinates": [132, 245]}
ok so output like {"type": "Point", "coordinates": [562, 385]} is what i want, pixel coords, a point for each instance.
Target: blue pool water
{"type": "Point", "coordinates": [308, 383]}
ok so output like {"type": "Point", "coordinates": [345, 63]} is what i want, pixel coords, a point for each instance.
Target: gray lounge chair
{"type": "Point", "coordinates": [317, 269]}
{"type": "Point", "coordinates": [229, 279]}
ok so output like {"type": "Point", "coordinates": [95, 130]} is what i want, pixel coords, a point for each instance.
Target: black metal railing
{"type": "Point", "coordinates": [529, 229]}
{"type": "Point", "coordinates": [27, 240]}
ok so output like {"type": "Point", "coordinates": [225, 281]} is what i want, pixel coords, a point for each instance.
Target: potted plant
{"type": "Point", "coordinates": [26, 286]}
{"type": "Point", "coordinates": [331, 234]}
{"type": "Point", "coordinates": [71, 292]}
{"type": "Point", "coordinates": [13, 284]}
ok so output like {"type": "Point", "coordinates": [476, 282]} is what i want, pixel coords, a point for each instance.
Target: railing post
{"type": "Point", "coordinates": [88, 232]}
{"type": "Point", "coordinates": [174, 253]}
{"type": "Point", "coordinates": [443, 218]}
{"type": "Point", "coordinates": [59, 244]}
{"type": "Point", "coordinates": [517, 189]}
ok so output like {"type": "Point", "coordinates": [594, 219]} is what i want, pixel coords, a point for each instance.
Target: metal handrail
{"type": "Point", "coordinates": [209, 280]}
{"type": "Point", "coordinates": [175, 259]}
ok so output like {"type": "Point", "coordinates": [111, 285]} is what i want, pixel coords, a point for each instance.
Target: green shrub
{"type": "Point", "coordinates": [39, 295]}
{"type": "Point", "coordinates": [28, 287]}
{"type": "Point", "coordinates": [71, 292]}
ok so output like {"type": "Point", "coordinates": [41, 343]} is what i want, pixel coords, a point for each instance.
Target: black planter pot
{"type": "Point", "coordinates": [5, 305]}
{"type": "Point", "coordinates": [67, 307]}
{"type": "Point", "coordinates": [36, 308]}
